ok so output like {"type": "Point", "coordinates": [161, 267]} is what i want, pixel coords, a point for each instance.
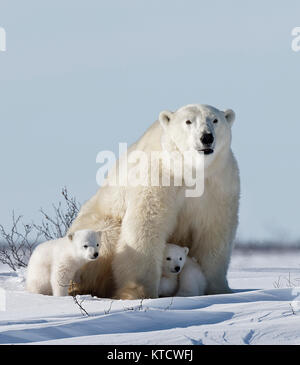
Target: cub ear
{"type": "Point", "coordinates": [186, 250]}
{"type": "Point", "coordinates": [70, 236]}
{"type": "Point", "coordinates": [229, 115]}
{"type": "Point", "coordinates": [164, 118]}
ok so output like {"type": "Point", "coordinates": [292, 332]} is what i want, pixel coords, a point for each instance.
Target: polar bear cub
{"type": "Point", "coordinates": [181, 275]}
{"type": "Point", "coordinates": [53, 264]}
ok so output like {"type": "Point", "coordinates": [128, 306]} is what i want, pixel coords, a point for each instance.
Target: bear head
{"type": "Point", "coordinates": [86, 244]}
{"type": "Point", "coordinates": [202, 129]}
{"type": "Point", "coordinates": [174, 258]}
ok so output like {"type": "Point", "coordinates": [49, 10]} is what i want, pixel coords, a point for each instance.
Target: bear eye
{"type": "Point", "coordinates": [168, 258]}
{"type": "Point", "coordinates": [97, 244]}
{"type": "Point", "coordinates": [180, 258]}
{"type": "Point", "coordinates": [85, 246]}
{"type": "Point", "coordinates": [215, 121]}
{"type": "Point", "coordinates": [188, 122]}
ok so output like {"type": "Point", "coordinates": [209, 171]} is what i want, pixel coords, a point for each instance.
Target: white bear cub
{"type": "Point", "coordinates": [53, 264]}
{"type": "Point", "coordinates": [181, 275]}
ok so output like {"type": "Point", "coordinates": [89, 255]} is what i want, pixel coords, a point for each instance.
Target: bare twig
{"type": "Point", "coordinates": [289, 282]}
{"type": "Point", "coordinates": [292, 309]}
{"type": "Point", "coordinates": [170, 305]}
{"type": "Point", "coordinates": [109, 309]}
{"type": "Point", "coordinates": [83, 311]}
{"type": "Point", "coordinates": [140, 307]}
{"type": "Point", "coordinates": [18, 243]}
{"type": "Point", "coordinates": [277, 283]}
{"type": "Point", "coordinates": [56, 226]}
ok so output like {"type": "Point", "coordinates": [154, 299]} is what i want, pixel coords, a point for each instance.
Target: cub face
{"type": "Point", "coordinates": [202, 129]}
{"type": "Point", "coordinates": [86, 243]}
{"type": "Point", "coordinates": [174, 258]}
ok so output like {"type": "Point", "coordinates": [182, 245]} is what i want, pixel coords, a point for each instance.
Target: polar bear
{"type": "Point", "coordinates": [181, 275]}
{"type": "Point", "coordinates": [192, 281]}
{"type": "Point", "coordinates": [151, 215]}
{"type": "Point", "coordinates": [53, 264]}
{"type": "Point", "coordinates": [173, 261]}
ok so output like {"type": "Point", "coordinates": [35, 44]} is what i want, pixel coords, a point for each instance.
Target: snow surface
{"type": "Point", "coordinates": [264, 309]}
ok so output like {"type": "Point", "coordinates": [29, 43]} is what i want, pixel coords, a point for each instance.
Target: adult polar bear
{"type": "Point", "coordinates": [150, 216]}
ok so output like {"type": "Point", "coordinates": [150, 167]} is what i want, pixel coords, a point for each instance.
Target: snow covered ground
{"type": "Point", "coordinates": [264, 309]}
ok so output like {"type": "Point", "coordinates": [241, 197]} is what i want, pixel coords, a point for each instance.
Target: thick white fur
{"type": "Point", "coordinates": [185, 281]}
{"type": "Point", "coordinates": [192, 282]}
{"type": "Point", "coordinates": [53, 264]}
{"type": "Point", "coordinates": [151, 216]}
{"type": "Point", "coordinates": [173, 263]}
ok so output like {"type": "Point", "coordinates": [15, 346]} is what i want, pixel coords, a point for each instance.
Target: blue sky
{"type": "Point", "coordinates": [79, 77]}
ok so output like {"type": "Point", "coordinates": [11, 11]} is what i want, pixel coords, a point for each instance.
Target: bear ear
{"type": "Point", "coordinates": [70, 236]}
{"type": "Point", "coordinates": [186, 250]}
{"type": "Point", "coordinates": [229, 115]}
{"type": "Point", "coordinates": [164, 118]}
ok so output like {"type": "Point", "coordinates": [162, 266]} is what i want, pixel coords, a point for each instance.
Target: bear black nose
{"type": "Point", "coordinates": [96, 254]}
{"type": "Point", "coordinates": [207, 138]}
{"type": "Point", "coordinates": [177, 268]}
